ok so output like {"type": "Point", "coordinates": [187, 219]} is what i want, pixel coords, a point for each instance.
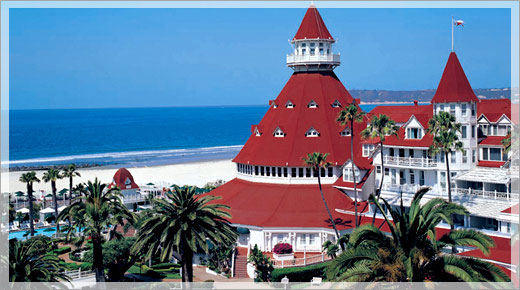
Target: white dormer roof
{"type": "Point", "coordinates": [504, 120]}
{"type": "Point", "coordinates": [257, 132]}
{"type": "Point", "coordinates": [345, 132]}
{"type": "Point", "coordinates": [312, 104]}
{"type": "Point", "coordinates": [312, 132]}
{"type": "Point", "coordinates": [413, 123]}
{"type": "Point", "coordinates": [278, 132]}
{"type": "Point", "coordinates": [336, 104]}
{"type": "Point", "coordinates": [289, 104]}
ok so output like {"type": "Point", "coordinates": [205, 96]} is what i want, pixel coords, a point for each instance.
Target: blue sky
{"type": "Point", "coordinates": [92, 58]}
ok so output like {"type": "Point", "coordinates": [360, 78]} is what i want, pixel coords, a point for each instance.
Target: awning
{"type": "Point", "coordinates": [486, 175]}
{"type": "Point", "coordinates": [47, 210]}
{"type": "Point", "coordinates": [23, 210]}
{"type": "Point", "coordinates": [243, 231]}
{"type": "Point", "coordinates": [61, 208]}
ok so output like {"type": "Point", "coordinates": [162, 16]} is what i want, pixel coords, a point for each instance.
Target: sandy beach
{"type": "Point", "coordinates": [197, 173]}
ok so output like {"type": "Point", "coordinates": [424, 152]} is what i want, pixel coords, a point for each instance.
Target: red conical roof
{"type": "Point", "coordinates": [454, 86]}
{"type": "Point", "coordinates": [312, 26]}
{"type": "Point", "coordinates": [324, 88]}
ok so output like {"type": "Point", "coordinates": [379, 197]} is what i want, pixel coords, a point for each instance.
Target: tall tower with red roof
{"type": "Point", "coordinates": [455, 95]}
{"type": "Point", "coordinates": [275, 197]}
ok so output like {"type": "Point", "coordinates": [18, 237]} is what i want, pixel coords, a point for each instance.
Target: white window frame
{"type": "Point", "coordinates": [464, 109]}
{"type": "Point", "coordinates": [289, 104]}
{"type": "Point", "coordinates": [312, 105]}
{"type": "Point", "coordinates": [312, 133]}
{"type": "Point", "coordinates": [336, 104]}
{"type": "Point", "coordinates": [278, 132]}
{"type": "Point", "coordinates": [345, 132]}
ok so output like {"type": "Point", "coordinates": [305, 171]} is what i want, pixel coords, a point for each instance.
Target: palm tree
{"type": "Point", "coordinates": [443, 127]}
{"type": "Point", "coordinates": [412, 253]}
{"type": "Point", "coordinates": [347, 117]}
{"type": "Point", "coordinates": [183, 223]}
{"type": "Point", "coordinates": [318, 161]}
{"type": "Point", "coordinates": [70, 172]}
{"type": "Point", "coordinates": [380, 127]}
{"type": "Point", "coordinates": [100, 208]}
{"type": "Point", "coordinates": [51, 176]}
{"type": "Point", "coordinates": [29, 178]}
{"type": "Point", "coordinates": [28, 264]}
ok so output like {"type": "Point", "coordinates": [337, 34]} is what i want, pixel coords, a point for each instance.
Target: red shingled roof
{"type": "Point", "coordinates": [322, 87]}
{"type": "Point", "coordinates": [312, 26]}
{"type": "Point", "coordinates": [493, 109]}
{"type": "Point", "coordinates": [284, 205]}
{"type": "Point", "coordinates": [492, 140]}
{"type": "Point", "coordinates": [402, 114]}
{"type": "Point", "coordinates": [120, 179]}
{"type": "Point", "coordinates": [496, 164]}
{"type": "Point", "coordinates": [454, 86]}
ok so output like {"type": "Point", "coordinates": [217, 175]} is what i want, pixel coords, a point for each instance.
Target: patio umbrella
{"type": "Point", "coordinates": [48, 195]}
{"type": "Point", "coordinates": [150, 184]}
{"type": "Point", "coordinates": [19, 193]}
{"type": "Point", "coordinates": [49, 230]}
{"type": "Point", "coordinates": [23, 210]}
{"type": "Point", "coordinates": [61, 208]}
{"type": "Point", "coordinates": [47, 210]}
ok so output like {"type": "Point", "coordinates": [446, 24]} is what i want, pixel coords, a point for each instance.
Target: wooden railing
{"type": "Point", "coordinates": [410, 161]}
{"type": "Point", "coordinates": [488, 194]}
{"type": "Point", "coordinates": [298, 262]}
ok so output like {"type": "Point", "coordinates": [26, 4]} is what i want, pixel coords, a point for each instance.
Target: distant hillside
{"type": "Point", "coordinates": [382, 96]}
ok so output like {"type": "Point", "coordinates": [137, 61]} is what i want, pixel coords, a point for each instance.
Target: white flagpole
{"type": "Point", "coordinates": [452, 21]}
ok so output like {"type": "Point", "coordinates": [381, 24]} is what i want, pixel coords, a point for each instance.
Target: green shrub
{"type": "Point", "coordinates": [300, 274]}
{"type": "Point", "coordinates": [165, 265]}
{"type": "Point", "coordinates": [85, 266]}
{"type": "Point", "coordinates": [63, 250]}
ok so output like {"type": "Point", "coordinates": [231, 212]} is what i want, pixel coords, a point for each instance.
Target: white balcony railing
{"type": "Point", "coordinates": [312, 58]}
{"type": "Point", "coordinates": [298, 262]}
{"type": "Point", "coordinates": [410, 161]}
{"type": "Point", "coordinates": [488, 194]}
{"type": "Point", "coordinates": [405, 188]}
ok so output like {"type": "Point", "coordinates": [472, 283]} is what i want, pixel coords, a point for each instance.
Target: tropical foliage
{"type": "Point", "coordinates": [99, 209]}
{"type": "Point", "coordinates": [412, 251]}
{"type": "Point", "coordinates": [29, 178]}
{"type": "Point", "coordinates": [282, 248]}
{"type": "Point", "coordinates": [181, 224]}
{"type": "Point", "coordinates": [27, 263]}
{"type": "Point", "coordinates": [70, 172]}
{"type": "Point", "coordinates": [263, 265]}
{"type": "Point", "coordinates": [347, 117]}
{"type": "Point", "coordinates": [51, 176]}
{"type": "Point", "coordinates": [318, 161]}
{"type": "Point", "coordinates": [380, 127]}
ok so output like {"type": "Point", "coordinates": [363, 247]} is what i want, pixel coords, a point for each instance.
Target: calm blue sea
{"type": "Point", "coordinates": [130, 136]}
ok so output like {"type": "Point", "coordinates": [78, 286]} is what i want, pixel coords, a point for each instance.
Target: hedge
{"type": "Point", "coordinates": [300, 274]}
{"type": "Point", "coordinates": [147, 271]}
{"type": "Point", "coordinates": [73, 266]}
{"type": "Point", "coordinates": [62, 250]}
{"type": "Point", "coordinates": [165, 266]}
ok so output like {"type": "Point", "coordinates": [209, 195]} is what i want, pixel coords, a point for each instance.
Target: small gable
{"type": "Point", "coordinates": [345, 132]}
{"type": "Point", "coordinates": [336, 104]}
{"type": "Point", "coordinates": [289, 104]}
{"type": "Point", "coordinates": [312, 133]}
{"type": "Point", "coordinates": [312, 104]}
{"type": "Point", "coordinates": [278, 132]}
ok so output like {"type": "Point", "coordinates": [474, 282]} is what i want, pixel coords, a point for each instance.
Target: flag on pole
{"type": "Point", "coordinates": [458, 23]}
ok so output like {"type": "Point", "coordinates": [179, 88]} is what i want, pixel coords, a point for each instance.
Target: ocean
{"type": "Point", "coordinates": [130, 136]}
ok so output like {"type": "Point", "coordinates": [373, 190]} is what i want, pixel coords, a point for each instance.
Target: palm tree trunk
{"type": "Point", "coordinates": [187, 265]}
{"type": "Point", "coordinates": [353, 170]}
{"type": "Point", "coordinates": [31, 208]}
{"type": "Point", "coordinates": [53, 186]}
{"type": "Point", "coordinates": [98, 258]}
{"type": "Point", "coordinates": [328, 211]}
{"type": "Point", "coordinates": [452, 226]}
{"type": "Point", "coordinates": [382, 177]}
{"type": "Point", "coordinates": [70, 191]}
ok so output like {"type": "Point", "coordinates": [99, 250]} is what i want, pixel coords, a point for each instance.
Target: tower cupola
{"type": "Point", "coordinates": [312, 45]}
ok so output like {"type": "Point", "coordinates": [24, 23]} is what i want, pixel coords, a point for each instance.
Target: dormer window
{"type": "Point", "coordinates": [312, 104]}
{"type": "Point", "coordinates": [347, 173]}
{"type": "Point", "coordinates": [345, 132]}
{"type": "Point", "coordinates": [414, 133]}
{"type": "Point", "coordinates": [128, 181]}
{"type": "Point", "coordinates": [278, 132]}
{"type": "Point", "coordinates": [312, 133]}
{"type": "Point", "coordinates": [368, 149]}
{"type": "Point", "coordinates": [273, 104]}
{"type": "Point", "coordinates": [289, 104]}
{"type": "Point", "coordinates": [257, 132]}
{"type": "Point", "coordinates": [336, 104]}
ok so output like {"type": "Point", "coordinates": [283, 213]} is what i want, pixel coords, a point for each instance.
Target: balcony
{"type": "Point", "coordinates": [410, 161]}
{"type": "Point", "coordinates": [404, 188]}
{"type": "Point", "coordinates": [497, 195]}
{"type": "Point", "coordinates": [309, 59]}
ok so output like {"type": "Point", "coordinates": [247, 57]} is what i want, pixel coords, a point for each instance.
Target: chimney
{"type": "Point", "coordinates": [416, 103]}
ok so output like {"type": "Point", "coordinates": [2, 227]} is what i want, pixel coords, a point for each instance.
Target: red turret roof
{"type": "Point", "coordinates": [123, 179]}
{"type": "Point", "coordinates": [312, 26]}
{"type": "Point", "coordinates": [454, 86]}
{"type": "Point", "coordinates": [322, 87]}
